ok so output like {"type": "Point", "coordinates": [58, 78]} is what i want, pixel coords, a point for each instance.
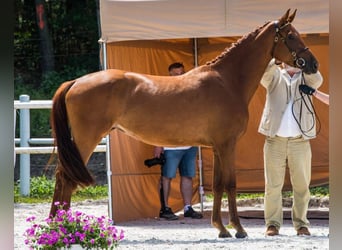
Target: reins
{"type": "Point", "coordinates": [306, 100]}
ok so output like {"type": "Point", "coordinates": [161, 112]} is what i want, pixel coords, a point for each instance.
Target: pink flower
{"type": "Point", "coordinates": [68, 228]}
{"type": "Point", "coordinates": [32, 218]}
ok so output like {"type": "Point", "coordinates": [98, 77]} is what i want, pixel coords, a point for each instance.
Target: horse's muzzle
{"type": "Point", "coordinates": [310, 67]}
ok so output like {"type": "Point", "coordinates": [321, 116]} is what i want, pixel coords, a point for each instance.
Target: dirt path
{"type": "Point", "coordinates": [186, 233]}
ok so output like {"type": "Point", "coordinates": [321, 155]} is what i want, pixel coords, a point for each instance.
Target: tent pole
{"type": "Point", "coordinates": [195, 52]}
{"type": "Point", "coordinates": [200, 166]}
{"type": "Point", "coordinates": [108, 163]}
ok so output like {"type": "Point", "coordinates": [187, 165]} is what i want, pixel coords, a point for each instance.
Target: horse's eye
{"type": "Point", "coordinates": [290, 36]}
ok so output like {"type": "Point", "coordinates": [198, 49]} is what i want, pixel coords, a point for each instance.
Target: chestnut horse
{"type": "Point", "coordinates": [214, 96]}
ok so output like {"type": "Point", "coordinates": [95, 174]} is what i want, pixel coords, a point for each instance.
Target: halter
{"type": "Point", "coordinates": [298, 61]}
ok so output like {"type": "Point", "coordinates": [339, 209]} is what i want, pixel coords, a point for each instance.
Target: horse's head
{"type": "Point", "coordinates": [290, 48]}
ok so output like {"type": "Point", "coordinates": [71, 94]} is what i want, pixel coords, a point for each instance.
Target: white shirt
{"type": "Point", "coordinates": [288, 125]}
{"type": "Point", "coordinates": [177, 148]}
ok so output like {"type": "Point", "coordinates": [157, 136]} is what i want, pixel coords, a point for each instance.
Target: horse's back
{"type": "Point", "coordinates": [133, 101]}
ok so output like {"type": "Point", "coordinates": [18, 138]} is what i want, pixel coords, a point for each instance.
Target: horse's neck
{"type": "Point", "coordinates": [248, 61]}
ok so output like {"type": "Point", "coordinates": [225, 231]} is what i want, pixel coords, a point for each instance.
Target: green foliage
{"type": "Point", "coordinates": [249, 195]}
{"type": "Point", "coordinates": [320, 191]}
{"type": "Point", "coordinates": [92, 192]}
{"type": "Point", "coordinates": [42, 188]}
{"type": "Point", "coordinates": [73, 30]}
{"type": "Point", "coordinates": [40, 118]}
{"type": "Point", "coordinates": [50, 82]}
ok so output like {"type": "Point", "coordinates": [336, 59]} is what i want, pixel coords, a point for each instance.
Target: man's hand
{"type": "Point", "coordinates": [306, 89]}
{"type": "Point", "coordinates": [277, 62]}
{"type": "Point", "coordinates": [158, 151]}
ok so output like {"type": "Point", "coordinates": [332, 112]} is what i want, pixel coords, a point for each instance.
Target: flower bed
{"type": "Point", "coordinates": [68, 228]}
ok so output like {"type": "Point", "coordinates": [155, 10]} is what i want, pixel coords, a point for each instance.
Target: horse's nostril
{"type": "Point", "coordinates": [315, 65]}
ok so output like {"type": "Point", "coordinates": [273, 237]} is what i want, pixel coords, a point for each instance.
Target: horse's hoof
{"type": "Point", "coordinates": [240, 235]}
{"type": "Point", "coordinates": [224, 235]}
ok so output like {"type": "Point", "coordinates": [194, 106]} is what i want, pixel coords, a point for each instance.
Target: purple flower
{"type": "Point", "coordinates": [122, 235]}
{"type": "Point", "coordinates": [66, 241]}
{"type": "Point", "coordinates": [68, 228]}
{"type": "Point", "coordinates": [32, 218]}
{"type": "Point", "coordinates": [81, 236]}
{"type": "Point", "coordinates": [63, 229]}
{"type": "Point", "coordinates": [48, 220]}
{"type": "Point", "coordinates": [72, 240]}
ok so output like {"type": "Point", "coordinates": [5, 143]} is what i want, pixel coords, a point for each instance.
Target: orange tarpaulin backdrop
{"type": "Point", "coordinates": [134, 186]}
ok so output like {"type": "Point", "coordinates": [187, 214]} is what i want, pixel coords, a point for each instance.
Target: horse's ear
{"type": "Point", "coordinates": [292, 16]}
{"type": "Point", "coordinates": [284, 19]}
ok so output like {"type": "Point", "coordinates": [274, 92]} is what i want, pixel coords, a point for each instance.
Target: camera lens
{"type": "Point", "coordinates": [155, 161]}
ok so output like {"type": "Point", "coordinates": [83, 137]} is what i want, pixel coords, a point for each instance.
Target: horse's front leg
{"type": "Point", "coordinates": [62, 193]}
{"type": "Point", "coordinates": [234, 219]}
{"type": "Point", "coordinates": [228, 162]}
{"type": "Point", "coordinates": [218, 187]}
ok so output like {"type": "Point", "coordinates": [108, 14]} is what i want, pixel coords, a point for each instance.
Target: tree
{"type": "Point", "coordinates": [54, 41]}
{"type": "Point", "coordinates": [46, 47]}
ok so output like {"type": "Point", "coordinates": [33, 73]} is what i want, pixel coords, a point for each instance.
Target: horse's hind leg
{"type": "Point", "coordinates": [62, 193]}
{"type": "Point", "coordinates": [86, 137]}
{"type": "Point", "coordinates": [64, 186]}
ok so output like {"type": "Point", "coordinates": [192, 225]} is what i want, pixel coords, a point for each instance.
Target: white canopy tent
{"type": "Point", "coordinates": [129, 20]}
{"type": "Point", "coordinates": [123, 20]}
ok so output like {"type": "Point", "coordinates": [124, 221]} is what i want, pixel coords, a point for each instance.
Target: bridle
{"type": "Point", "coordinates": [298, 61]}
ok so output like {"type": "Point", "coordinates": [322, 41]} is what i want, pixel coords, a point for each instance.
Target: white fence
{"type": "Point", "coordinates": [25, 141]}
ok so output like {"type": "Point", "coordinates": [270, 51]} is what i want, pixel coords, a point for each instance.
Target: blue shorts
{"type": "Point", "coordinates": [185, 159]}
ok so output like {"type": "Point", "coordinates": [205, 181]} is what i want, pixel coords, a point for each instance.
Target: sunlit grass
{"type": "Point", "coordinates": [322, 191]}
{"type": "Point", "coordinates": [42, 188]}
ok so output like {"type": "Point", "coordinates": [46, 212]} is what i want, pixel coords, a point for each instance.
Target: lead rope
{"type": "Point", "coordinates": [306, 100]}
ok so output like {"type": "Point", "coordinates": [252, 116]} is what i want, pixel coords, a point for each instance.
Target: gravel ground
{"type": "Point", "coordinates": [186, 233]}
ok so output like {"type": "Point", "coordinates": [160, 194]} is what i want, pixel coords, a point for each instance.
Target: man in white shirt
{"type": "Point", "coordinates": [183, 158]}
{"type": "Point", "coordinates": [288, 124]}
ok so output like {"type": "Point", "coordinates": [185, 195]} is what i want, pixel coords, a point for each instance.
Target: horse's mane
{"type": "Point", "coordinates": [236, 44]}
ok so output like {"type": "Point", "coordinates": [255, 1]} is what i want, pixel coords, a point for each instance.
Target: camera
{"type": "Point", "coordinates": [155, 161]}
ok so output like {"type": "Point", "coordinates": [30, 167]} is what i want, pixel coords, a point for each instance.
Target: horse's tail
{"type": "Point", "coordinates": [71, 163]}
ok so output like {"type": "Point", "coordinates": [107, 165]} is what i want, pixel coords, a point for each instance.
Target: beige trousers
{"type": "Point", "coordinates": [295, 153]}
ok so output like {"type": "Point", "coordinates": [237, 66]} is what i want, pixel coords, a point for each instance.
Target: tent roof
{"type": "Point", "coordinates": [123, 20]}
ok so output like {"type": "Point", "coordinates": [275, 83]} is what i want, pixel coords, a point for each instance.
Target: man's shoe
{"type": "Point", "coordinates": [271, 231]}
{"type": "Point", "coordinates": [167, 214]}
{"type": "Point", "coordinates": [192, 213]}
{"type": "Point", "coordinates": [303, 231]}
